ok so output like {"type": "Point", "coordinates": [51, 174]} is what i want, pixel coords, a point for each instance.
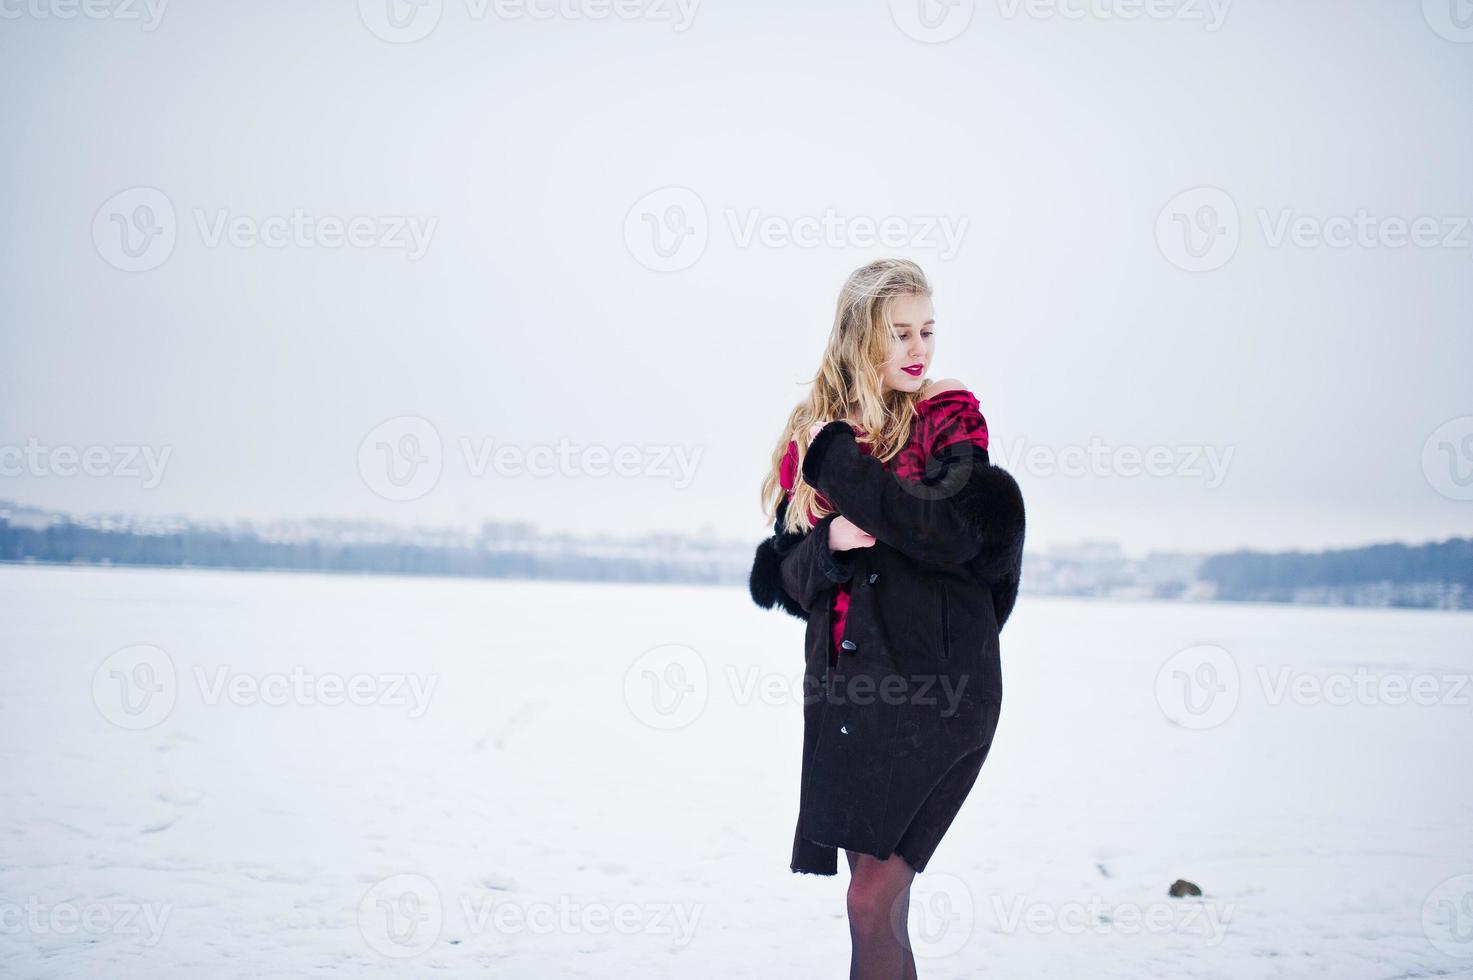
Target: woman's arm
{"type": "Point", "coordinates": [967, 508]}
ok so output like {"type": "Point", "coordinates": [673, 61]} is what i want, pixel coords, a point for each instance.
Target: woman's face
{"type": "Point", "coordinates": [914, 342]}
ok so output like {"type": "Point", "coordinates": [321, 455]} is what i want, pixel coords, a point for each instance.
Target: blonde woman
{"type": "Point", "coordinates": [901, 545]}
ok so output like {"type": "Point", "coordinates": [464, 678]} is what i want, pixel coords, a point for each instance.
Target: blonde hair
{"type": "Point", "coordinates": [850, 374]}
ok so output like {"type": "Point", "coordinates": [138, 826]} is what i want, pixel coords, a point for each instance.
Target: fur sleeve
{"type": "Point", "coordinates": [797, 571]}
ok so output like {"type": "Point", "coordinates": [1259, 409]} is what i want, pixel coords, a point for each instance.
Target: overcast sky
{"type": "Point", "coordinates": [284, 249]}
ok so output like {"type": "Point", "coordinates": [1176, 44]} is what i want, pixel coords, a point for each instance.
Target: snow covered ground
{"type": "Point", "coordinates": [211, 773]}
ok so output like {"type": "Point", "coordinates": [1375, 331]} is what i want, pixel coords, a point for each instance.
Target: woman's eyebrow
{"type": "Point", "coordinates": [928, 323]}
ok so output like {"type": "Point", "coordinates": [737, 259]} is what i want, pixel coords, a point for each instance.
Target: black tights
{"type": "Point", "coordinates": [879, 904]}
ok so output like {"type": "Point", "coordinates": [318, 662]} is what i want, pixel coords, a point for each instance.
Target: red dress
{"type": "Point", "coordinates": [940, 420]}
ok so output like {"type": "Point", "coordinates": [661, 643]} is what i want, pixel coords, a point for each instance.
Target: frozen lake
{"type": "Point", "coordinates": [212, 773]}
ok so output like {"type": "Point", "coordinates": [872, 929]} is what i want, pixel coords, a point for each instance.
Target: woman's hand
{"type": "Point", "coordinates": [845, 535]}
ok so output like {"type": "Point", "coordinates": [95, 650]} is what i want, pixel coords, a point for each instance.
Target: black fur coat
{"type": "Point", "coordinates": [927, 603]}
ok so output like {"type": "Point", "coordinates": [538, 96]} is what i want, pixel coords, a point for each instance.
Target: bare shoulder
{"type": "Point", "coordinates": [937, 387]}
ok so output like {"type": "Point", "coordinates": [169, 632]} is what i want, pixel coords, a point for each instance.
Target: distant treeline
{"type": "Point", "coordinates": [1412, 574]}
{"type": "Point", "coordinates": [72, 544]}
{"type": "Point", "coordinates": [1436, 575]}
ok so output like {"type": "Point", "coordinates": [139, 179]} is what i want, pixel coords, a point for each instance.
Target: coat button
{"type": "Point", "coordinates": [849, 645]}
{"type": "Point", "coordinates": [874, 577]}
